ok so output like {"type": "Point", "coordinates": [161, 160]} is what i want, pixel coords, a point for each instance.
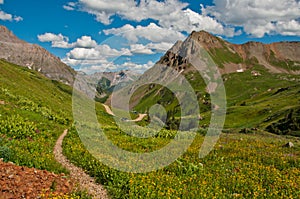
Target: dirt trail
{"type": "Point", "coordinates": [84, 180]}
{"type": "Point", "coordinates": [139, 118]}
{"type": "Point", "coordinates": [108, 110]}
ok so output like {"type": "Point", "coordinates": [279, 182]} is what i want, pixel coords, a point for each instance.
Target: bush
{"type": "Point", "coordinates": [18, 128]}
{"type": "Point", "coordinates": [5, 153]}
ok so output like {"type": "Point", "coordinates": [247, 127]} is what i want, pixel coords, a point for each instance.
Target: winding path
{"type": "Point", "coordinates": [85, 181]}
{"type": "Point", "coordinates": [139, 118]}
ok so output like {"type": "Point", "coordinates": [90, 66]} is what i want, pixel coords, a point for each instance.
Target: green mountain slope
{"type": "Point", "coordinates": [34, 111]}
{"type": "Point", "coordinates": [261, 82]}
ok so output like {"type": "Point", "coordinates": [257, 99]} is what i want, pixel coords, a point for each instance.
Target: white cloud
{"type": "Point", "coordinates": [4, 16]}
{"type": "Point", "coordinates": [105, 9]}
{"type": "Point", "coordinates": [139, 68]}
{"type": "Point", "coordinates": [140, 49]}
{"type": "Point", "coordinates": [258, 17]}
{"type": "Point", "coordinates": [70, 6]}
{"type": "Point", "coordinates": [86, 42]}
{"type": "Point", "coordinates": [84, 62]}
{"type": "Point", "coordinates": [8, 17]}
{"type": "Point", "coordinates": [99, 52]}
{"type": "Point", "coordinates": [160, 47]}
{"type": "Point", "coordinates": [169, 14]}
{"type": "Point", "coordinates": [57, 40]}
{"type": "Point", "coordinates": [152, 32]}
{"type": "Point", "coordinates": [61, 41]}
{"type": "Point", "coordinates": [150, 48]}
{"type": "Point", "coordinates": [98, 56]}
{"type": "Point", "coordinates": [18, 18]}
{"type": "Point", "coordinates": [289, 28]}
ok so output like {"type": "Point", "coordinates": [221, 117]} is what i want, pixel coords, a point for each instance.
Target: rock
{"type": "Point", "coordinates": [33, 57]}
{"type": "Point", "coordinates": [289, 145]}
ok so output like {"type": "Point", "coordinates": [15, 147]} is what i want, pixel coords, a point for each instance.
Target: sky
{"type": "Point", "coordinates": [112, 35]}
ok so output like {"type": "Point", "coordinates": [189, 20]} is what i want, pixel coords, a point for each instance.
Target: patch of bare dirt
{"type": "Point", "coordinates": [24, 182]}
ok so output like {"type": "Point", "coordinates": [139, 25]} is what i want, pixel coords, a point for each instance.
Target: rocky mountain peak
{"type": "Point", "coordinates": [206, 39]}
{"type": "Point", "coordinates": [280, 57]}
{"type": "Point", "coordinates": [7, 36]}
{"type": "Point", "coordinates": [34, 57]}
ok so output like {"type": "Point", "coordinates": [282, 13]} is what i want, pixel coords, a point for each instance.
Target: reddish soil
{"type": "Point", "coordinates": [24, 182]}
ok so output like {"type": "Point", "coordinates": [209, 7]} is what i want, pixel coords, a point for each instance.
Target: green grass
{"type": "Point", "coordinates": [259, 101]}
{"type": "Point", "coordinates": [243, 166]}
{"type": "Point", "coordinates": [254, 165]}
{"type": "Point", "coordinates": [35, 112]}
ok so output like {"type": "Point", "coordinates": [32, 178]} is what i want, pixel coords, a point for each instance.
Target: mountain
{"type": "Point", "coordinates": [100, 85]}
{"type": "Point", "coordinates": [261, 82]}
{"type": "Point", "coordinates": [34, 57]}
{"type": "Point", "coordinates": [280, 57]}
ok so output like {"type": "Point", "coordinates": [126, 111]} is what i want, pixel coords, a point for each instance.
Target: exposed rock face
{"type": "Point", "coordinates": [34, 57]}
{"type": "Point", "coordinates": [280, 57]}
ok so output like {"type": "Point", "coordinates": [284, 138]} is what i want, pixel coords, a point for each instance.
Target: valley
{"type": "Point", "coordinates": [251, 158]}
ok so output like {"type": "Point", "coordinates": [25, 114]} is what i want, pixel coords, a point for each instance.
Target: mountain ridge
{"type": "Point", "coordinates": [278, 57]}
{"type": "Point", "coordinates": [34, 57]}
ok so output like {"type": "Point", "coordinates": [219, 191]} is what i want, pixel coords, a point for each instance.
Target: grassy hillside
{"type": "Point", "coordinates": [240, 166]}
{"type": "Point", "coordinates": [252, 101]}
{"type": "Point", "coordinates": [34, 111]}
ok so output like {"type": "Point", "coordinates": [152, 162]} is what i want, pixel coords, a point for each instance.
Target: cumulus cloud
{"type": "Point", "coordinates": [160, 47]}
{"type": "Point", "coordinates": [85, 42]}
{"type": "Point", "coordinates": [169, 14]}
{"type": "Point", "coordinates": [132, 10]}
{"type": "Point", "coordinates": [152, 32]}
{"type": "Point", "coordinates": [61, 41]}
{"type": "Point", "coordinates": [150, 48]}
{"type": "Point", "coordinates": [258, 17]}
{"type": "Point", "coordinates": [98, 56]}
{"type": "Point", "coordinates": [57, 40]}
{"type": "Point", "coordinates": [8, 17]}
{"type": "Point", "coordinates": [140, 49]}
{"type": "Point", "coordinates": [139, 68]}
{"type": "Point", "coordinates": [4, 16]}
{"type": "Point", "coordinates": [99, 52]}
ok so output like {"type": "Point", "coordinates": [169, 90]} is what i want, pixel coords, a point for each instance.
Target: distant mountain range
{"type": "Point", "coordinates": [261, 80]}
{"type": "Point", "coordinates": [34, 57]}
{"type": "Point", "coordinates": [281, 57]}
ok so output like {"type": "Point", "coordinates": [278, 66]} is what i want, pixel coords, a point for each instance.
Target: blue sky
{"type": "Point", "coordinates": [99, 35]}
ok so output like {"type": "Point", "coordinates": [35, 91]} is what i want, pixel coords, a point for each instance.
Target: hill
{"type": "Point", "coordinates": [261, 82]}
{"type": "Point", "coordinates": [34, 57]}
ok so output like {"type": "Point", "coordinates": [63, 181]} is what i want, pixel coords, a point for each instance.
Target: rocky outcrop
{"type": "Point", "coordinates": [280, 57]}
{"type": "Point", "coordinates": [33, 57]}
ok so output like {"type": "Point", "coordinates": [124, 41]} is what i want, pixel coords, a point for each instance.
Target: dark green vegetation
{"type": "Point", "coordinates": [34, 111]}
